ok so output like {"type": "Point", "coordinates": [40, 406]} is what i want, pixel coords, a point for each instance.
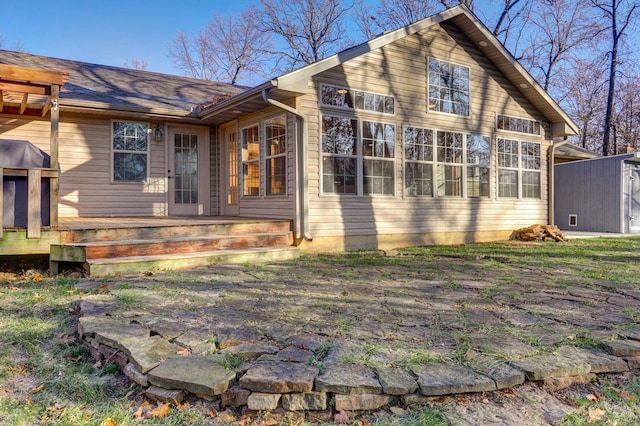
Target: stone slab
{"type": "Point", "coordinates": [548, 365]}
{"type": "Point", "coordinates": [132, 372]}
{"type": "Point", "coordinates": [294, 354]}
{"type": "Point", "coordinates": [165, 395]}
{"type": "Point", "coordinates": [599, 361]}
{"type": "Point", "coordinates": [443, 379]}
{"type": "Point", "coordinates": [195, 337]}
{"type": "Point", "coordinates": [250, 350]}
{"type": "Point", "coordinates": [234, 336]}
{"type": "Point", "coordinates": [88, 325]}
{"type": "Point", "coordinates": [623, 348]}
{"type": "Point", "coordinates": [348, 379]}
{"type": "Point", "coordinates": [396, 381]}
{"type": "Point", "coordinates": [235, 397]}
{"type": "Point", "coordinates": [504, 375]}
{"type": "Point", "coordinates": [361, 402]}
{"type": "Point", "coordinates": [263, 401]}
{"type": "Point", "coordinates": [200, 375]}
{"type": "Point", "coordinates": [147, 353]}
{"type": "Point", "coordinates": [111, 334]}
{"type": "Point", "coordinates": [315, 401]}
{"type": "Point", "coordinates": [279, 377]}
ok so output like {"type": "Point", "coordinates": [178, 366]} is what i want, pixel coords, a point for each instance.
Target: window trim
{"type": "Point", "coordinates": [243, 161]}
{"type": "Point", "coordinates": [324, 155]}
{"type": "Point", "coordinates": [363, 157]}
{"type": "Point", "coordinates": [430, 110]}
{"type": "Point", "coordinates": [113, 151]}
{"type": "Point", "coordinates": [268, 157]}
{"type": "Point", "coordinates": [468, 166]}
{"type": "Point", "coordinates": [520, 169]}
{"type": "Point", "coordinates": [461, 165]}
{"type": "Point", "coordinates": [516, 131]}
{"type": "Point", "coordinates": [431, 162]}
{"type": "Point", "coordinates": [355, 108]}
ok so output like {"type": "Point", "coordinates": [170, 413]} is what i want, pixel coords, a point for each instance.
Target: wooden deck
{"type": "Point", "coordinates": [137, 244]}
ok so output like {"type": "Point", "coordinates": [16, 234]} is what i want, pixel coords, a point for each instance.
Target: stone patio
{"type": "Point", "coordinates": [247, 337]}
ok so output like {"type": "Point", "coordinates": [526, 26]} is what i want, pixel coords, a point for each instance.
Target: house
{"type": "Point", "coordinates": [429, 134]}
{"type": "Point", "coordinates": [599, 194]}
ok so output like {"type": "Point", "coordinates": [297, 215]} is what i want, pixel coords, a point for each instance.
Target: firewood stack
{"type": "Point", "coordinates": [539, 232]}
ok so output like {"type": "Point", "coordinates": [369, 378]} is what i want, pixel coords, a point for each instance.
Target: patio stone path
{"type": "Point", "coordinates": [244, 340]}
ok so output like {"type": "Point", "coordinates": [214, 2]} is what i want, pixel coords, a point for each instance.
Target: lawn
{"type": "Point", "coordinates": [47, 376]}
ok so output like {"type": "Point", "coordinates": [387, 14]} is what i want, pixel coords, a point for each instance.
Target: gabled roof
{"type": "Point", "coordinates": [296, 82]}
{"type": "Point", "coordinates": [96, 88]}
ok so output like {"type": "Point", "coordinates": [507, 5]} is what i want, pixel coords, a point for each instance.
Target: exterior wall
{"type": "Point", "coordinates": [263, 205]}
{"type": "Point", "coordinates": [400, 70]}
{"type": "Point", "coordinates": [86, 188]}
{"type": "Point", "coordinates": [593, 191]}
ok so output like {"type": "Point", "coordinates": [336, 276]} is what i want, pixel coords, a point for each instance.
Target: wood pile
{"type": "Point", "coordinates": [539, 233]}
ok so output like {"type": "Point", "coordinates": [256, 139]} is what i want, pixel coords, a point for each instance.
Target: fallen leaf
{"type": "Point", "coordinates": [28, 401]}
{"type": "Point", "coordinates": [595, 414]}
{"type": "Point", "coordinates": [38, 296]}
{"type": "Point", "coordinates": [624, 395]}
{"type": "Point", "coordinates": [36, 389]}
{"type": "Point", "coordinates": [162, 410]}
{"type": "Point", "coordinates": [103, 288]}
{"type": "Point", "coordinates": [184, 352]}
{"type": "Point", "coordinates": [108, 422]}
{"type": "Point", "coordinates": [139, 414]}
{"type": "Point", "coordinates": [470, 354]}
{"type": "Point", "coordinates": [182, 407]}
{"type": "Point", "coordinates": [591, 397]}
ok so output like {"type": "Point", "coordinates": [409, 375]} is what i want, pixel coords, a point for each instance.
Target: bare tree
{"type": "Point", "coordinates": [229, 48]}
{"type": "Point", "coordinates": [560, 27]}
{"type": "Point", "coordinates": [626, 118]}
{"type": "Point", "coordinates": [17, 46]}
{"type": "Point", "coordinates": [448, 4]}
{"type": "Point", "coordinates": [309, 29]}
{"type": "Point", "coordinates": [619, 15]}
{"type": "Point", "coordinates": [392, 14]}
{"type": "Point", "coordinates": [136, 64]}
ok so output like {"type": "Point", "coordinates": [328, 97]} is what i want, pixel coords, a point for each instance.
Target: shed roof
{"type": "Point", "coordinates": [100, 87]}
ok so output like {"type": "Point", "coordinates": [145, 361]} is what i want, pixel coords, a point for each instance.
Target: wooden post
{"type": "Point", "coordinates": [55, 164]}
{"type": "Point", "coordinates": [34, 217]}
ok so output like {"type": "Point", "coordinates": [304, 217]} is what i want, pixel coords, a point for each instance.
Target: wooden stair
{"type": "Point", "coordinates": [130, 250]}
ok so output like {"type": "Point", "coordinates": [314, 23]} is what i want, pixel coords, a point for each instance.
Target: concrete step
{"type": "Point", "coordinates": [159, 262]}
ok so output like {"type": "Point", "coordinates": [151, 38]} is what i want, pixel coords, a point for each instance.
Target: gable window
{"type": "Point", "coordinates": [276, 156]}
{"type": "Point", "coordinates": [449, 151]}
{"type": "Point", "coordinates": [378, 146]}
{"type": "Point", "coordinates": [448, 87]}
{"type": "Point", "coordinates": [418, 155]}
{"type": "Point", "coordinates": [130, 146]}
{"type": "Point", "coordinates": [250, 161]}
{"type": "Point", "coordinates": [519, 125]}
{"type": "Point", "coordinates": [478, 165]}
{"type": "Point", "coordinates": [354, 99]}
{"type": "Point", "coordinates": [339, 155]}
{"type": "Point", "coordinates": [519, 164]}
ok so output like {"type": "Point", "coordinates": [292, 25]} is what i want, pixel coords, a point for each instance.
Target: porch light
{"type": "Point", "coordinates": [158, 134]}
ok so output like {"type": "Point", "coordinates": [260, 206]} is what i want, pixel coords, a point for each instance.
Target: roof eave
{"type": "Point", "coordinates": [235, 101]}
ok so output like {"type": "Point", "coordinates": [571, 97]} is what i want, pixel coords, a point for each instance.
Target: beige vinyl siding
{"type": "Point", "coordinates": [400, 70]}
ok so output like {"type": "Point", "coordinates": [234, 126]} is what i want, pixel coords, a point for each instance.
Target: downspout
{"type": "Point", "coordinates": [552, 155]}
{"type": "Point", "coordinates": [301, 225]}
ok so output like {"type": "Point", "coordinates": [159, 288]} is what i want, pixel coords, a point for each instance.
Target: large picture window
{"type": "Point", "coordinates": [478, 165]}
{"type": "Point", "coordinates": [448, 87]}
{"type": "Point", "coordinates": [276, 156]}
{"type": "Point", "coordinates": [519, 166]}
{"type": "Point", "coordinates": [449, 151]}
{"type": "Point", "coordinates": [418, 155]}
{"type": "Point", "coordinates": [130, 145]}
{"type": "Point", "coordinates": [251, 161]}
{"type": "Point", "coordinates": [339, 155]}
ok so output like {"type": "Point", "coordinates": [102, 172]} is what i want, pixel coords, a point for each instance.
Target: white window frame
{"type": "Point", "coordinates": [249, 161]}
{"type": "Point", "coordinates": [352, 94]}
{"type": "Point", "coordinates": [282, 139]}
{"type": "Point", "coordinates": [376, 158]}
{"type": "Point", "coordinates": [441, 165]}
{"type": "Point", "coordinates": [536, 123]}
{"type": "Point", "coordinates": [421, 160]}
{"type": "Point", "coordinates": [521, 168]}
{"type": "Point", "coordinates": [114, 151]}
{"type": "Point", "coordinates": [474, 163]}
{"type": "Point", "coordinates": [355, 155]}
{"type": "Point", "coordinates": [433, 104]}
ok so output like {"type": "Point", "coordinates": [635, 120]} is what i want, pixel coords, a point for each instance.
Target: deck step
{"type": "Point", "coordinates": [81, 252]}
{"type": "Point", "coordinates": [159, 262]}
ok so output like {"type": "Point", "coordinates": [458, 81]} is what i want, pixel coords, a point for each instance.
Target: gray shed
{"type": "Point", "coordinates": [599, 195]}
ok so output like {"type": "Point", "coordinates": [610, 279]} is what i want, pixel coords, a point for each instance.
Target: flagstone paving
{"type": "Point", "coordinates": [360, 339]}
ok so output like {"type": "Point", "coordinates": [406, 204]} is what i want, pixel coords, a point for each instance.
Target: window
{"type": "Point", "coordinates": [251, 161]}
{"type": "Point", "coordinates": [339, 155]}
{"type": "Point", "coordinates": [418, 155]}
{"type": "Point", "coordinates": [519, 163]}
{"type": "Point", "coordinates": [508, 154]}
{"type": "Point", "coordinates": [478, 165]}
{"type": "Point", "coordinates": [130, 151]}
{"type": "Point", "coordinates": [448, 87]}
{"type": "Point", "coordinates": [378, 149]}
{"type": "Point", "coordinates": [519, 125]}
{"type": "Point", "coordinates": [449, 152]}
{"type": "Point", "coordinates": [276, 156]}
{"type": "Point", "coordinates": [530, 170]}
{"type": "Point", "coordinates": [355, 99]}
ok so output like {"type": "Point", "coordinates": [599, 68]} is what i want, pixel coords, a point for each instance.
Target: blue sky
{"type": "Point", "coordinates": [109, 32]}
